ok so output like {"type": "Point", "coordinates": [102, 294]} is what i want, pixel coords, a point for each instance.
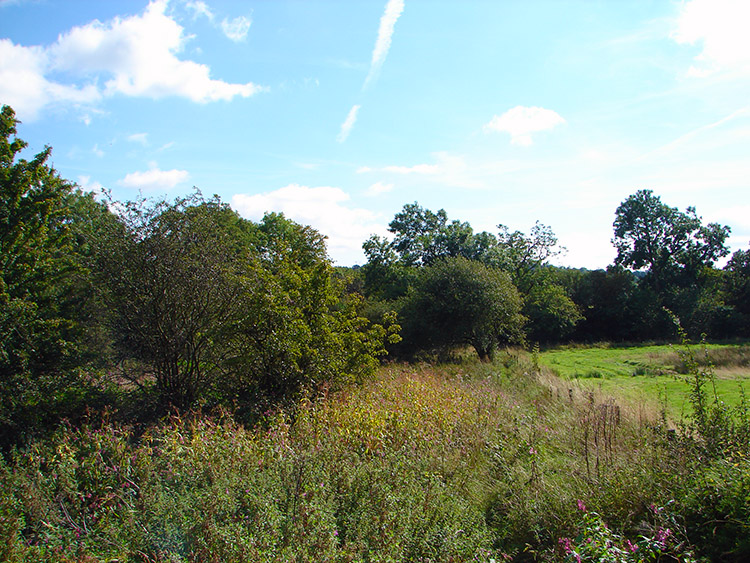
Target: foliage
{"type": "Point", "coordinates": [43, 290]}
{"type": "Point", "coordinates": [459, 301]}
{"type": "Point", "coordinates": [674, 246]}
{"type": "Point", "coordinates": [552, 314]}
{"type": "Point", "coordinates": [222, 310]}
{"type": "Point", "coordinates": [597, 542]}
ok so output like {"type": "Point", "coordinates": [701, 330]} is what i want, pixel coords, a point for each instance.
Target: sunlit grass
{"type": "Point", "coordinates": [654, 374]}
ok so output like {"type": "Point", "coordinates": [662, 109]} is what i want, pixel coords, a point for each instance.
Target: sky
{"type": "Point", "coordinates": [338, 113]}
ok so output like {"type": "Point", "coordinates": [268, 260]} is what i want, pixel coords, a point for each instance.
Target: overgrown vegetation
{"type": "Point", "coordinates": [465, 462]}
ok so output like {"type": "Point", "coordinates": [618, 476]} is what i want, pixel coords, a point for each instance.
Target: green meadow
{"type": "Point", "coordinates": [652, 375]}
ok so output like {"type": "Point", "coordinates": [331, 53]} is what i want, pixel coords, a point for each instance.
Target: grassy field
{"type": "Point", "coordinates": [654, 375]}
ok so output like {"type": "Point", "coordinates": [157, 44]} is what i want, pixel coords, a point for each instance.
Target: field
{"type": "Point", "coordinates": [652, 375]}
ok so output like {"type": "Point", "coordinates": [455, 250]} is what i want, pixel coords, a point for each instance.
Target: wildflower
{"type": "Point", "coordinates": [581, 506]}
{"type": "Point", "coordinates": [630, 546]}
{"type": "Point", "coordinates": [566, 545]}
{"type": "Point", "coordinates": [662, 534]}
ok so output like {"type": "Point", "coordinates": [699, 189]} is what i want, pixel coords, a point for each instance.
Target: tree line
{"type": "Point", "coordinates": [452, 286]}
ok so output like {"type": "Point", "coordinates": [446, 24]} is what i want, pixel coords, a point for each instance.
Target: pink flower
{"type": "Point", "coordinates": [662, 534]}
{"type": "Point", "coordinates": [581, 506]}
{"type": "Point", "coordinates": [566, 545]}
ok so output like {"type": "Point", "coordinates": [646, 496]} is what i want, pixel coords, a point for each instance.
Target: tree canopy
{"type": "Point", "coordinates": [672, 245]}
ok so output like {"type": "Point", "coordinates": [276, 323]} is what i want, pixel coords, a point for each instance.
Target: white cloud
{"type": "Point", "coordinates": [97, 151]}
{"type": "Point", "coordinates": [141, 138]}
{"type": "Point", "coordinates": [24, 87]}
{"type": "Point", "coordinates": [522, 121]}
{"type": "Point", "coordinates": [323, 208]}
{"type": "Point", "coordinates": [722, 28]}
{"type": "Point", "coordinates": [236, 29]}
{"type": "Point", "coordinates": [132, 56]}
{"type": "Point", "coordinates": [385, 32]}
{"type": "Point", "coordinates": [448, 169]}
{"type": "Point", "coordinates": [379, 188]}
{"type": "Point", "coordinates": [155, 179]}
{"type": "Point", "coordinates": [200, 8]}
{"type": "Point", "coordinates": [346, 126]}
{"type": "Point", "coordinates": [363, 170]}
{"type": "Point", "coordinates": [86, 185]}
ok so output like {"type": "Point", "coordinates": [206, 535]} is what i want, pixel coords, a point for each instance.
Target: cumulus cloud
{"type": "Point", "coordinates": [23, 84]}
{"type": "Point", "coordinates": [132, 56]}
{"type": "Point", "coordinates": [346, 126]}
{"type": "Point", "coordinates": [385, 32]}
{"type": "Point", "coordinates": [522, 121]}
{"type": "Point", "coordinates": [236, 29]}
{"type": "Point", "coordinates": [155, 179]}
{"type": "Point", "coordinates": [324, 208]}
{"type": "Point", "coordinates": [721, 27]}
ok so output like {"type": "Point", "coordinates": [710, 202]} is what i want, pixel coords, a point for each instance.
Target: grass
{"type": "Point", "coordinates": [655, 374]}
{"type": "Point", "coordinates": [459, 462]}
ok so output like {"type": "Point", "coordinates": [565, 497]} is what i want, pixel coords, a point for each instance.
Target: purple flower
{"type": "Point", "coordinates": [581, 506]}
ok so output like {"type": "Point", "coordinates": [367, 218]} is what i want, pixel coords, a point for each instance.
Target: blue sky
{"type": "Point", "coordinates": [338, 113]}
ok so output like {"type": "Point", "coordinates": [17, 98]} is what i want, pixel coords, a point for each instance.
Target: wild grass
{"type": "Point", "coordinates": [458, 462]}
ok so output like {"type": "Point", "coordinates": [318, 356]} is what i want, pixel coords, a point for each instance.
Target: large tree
{"type": "Point", "coordinates": [173, 276]}
{"type": "Point", "coordinates": [673, 246]}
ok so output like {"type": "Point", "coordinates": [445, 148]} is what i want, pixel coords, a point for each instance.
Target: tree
{"type": "Point", "coordinates": [173, 276]}
{"type": "Point", "coordinates": [460, 301]}
{"type": "Point", "coordinates": [416, 234]}
{"type": "Point", "coordinates": [673, 246]}
{"type": "Point", "coordinates": [736, 290]}
{"type": "Point", "coordinates": [522, 256]}
{"type": "Point", "coordinates": [737, 281]}
{"type": "Point", "coordinates": [421, 237]}
{"type": "Point", "coordinates": [40, 332]}
{"type": "Point", "coordinates": [551, 312]}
